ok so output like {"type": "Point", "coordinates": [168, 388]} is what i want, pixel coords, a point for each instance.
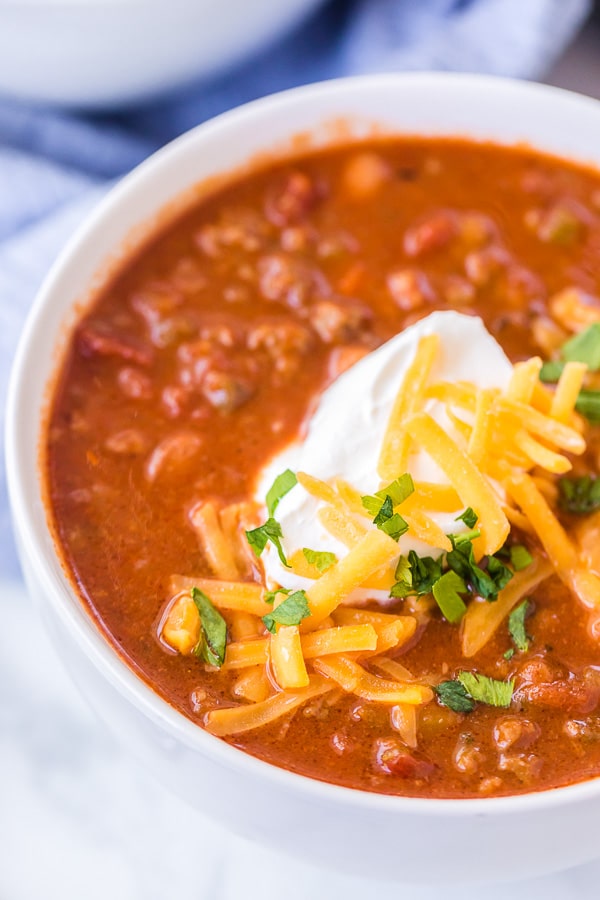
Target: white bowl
{"type": "Point", "coordinates": [104, 53]}
{"type": "Point", "coordinates": [353, 831]}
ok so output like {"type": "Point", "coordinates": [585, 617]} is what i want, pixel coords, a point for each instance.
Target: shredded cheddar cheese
{"type": "Point", "coordinates": [524, 378]}
{"type": "Point", "coordinates": [374, 550]}
{"type": "Point", "coordinates": [567, 391]}
{"type": "Point", "coordinates": [425, 529]}
{"type": "Point", "coordinates": [342, 526]}
{"type": "Point", "coordinates": [287, 658]}
{"type": "Point", "coordinates": [393, 453]}
{"type": "Point", "coordinates": [471, 486]}
{"type": "Point", "coordinates": [500, 455]}
{"type": "Point", "coordinates": [479, 439]}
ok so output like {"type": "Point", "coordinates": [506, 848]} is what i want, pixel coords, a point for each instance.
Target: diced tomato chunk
{"type": "Point", "coordinates": [392, 758]}
{"type": "Point", "coordinates": [100, 339]}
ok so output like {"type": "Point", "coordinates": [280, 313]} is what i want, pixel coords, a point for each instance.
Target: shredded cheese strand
{"type": "Point", "coordinates": [239, 719]}
{"type": "Point", "coordinates": [394, 449]}
{"type": "Point", "coordinates": [525, 376]}
{"type": "Point", "coordinates": [567, 391]}
{"type": "Point", "coordinates": [482, 618]}
{"type": "Point", "coordinates": [471, 486]}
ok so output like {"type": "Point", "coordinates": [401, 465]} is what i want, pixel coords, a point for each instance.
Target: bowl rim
{"type": "Point", "coordinates": [62, 594]}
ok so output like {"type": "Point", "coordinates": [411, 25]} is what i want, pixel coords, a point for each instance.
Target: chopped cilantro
{"type": "Point", "coordinates": [520, 557]}
{"type": "Point", "coordinates": [551, 371]}
{"type": "Point", "coordinates": [398, 490]}
{"type": "Point", "coordinates": [465, 536]}
{"type": "Point", "coordinates": [500, 573]}
{"type": "Point", "coordinates": [469, 517]}
{"type": "Point", "coordinates": [403, 572]}
{"type": "Point", "coordinates": [485, 582]}
{"type": "Point", "coordinates": [385, 511]}
{"type": "Point", "coordinates": [395, 526]}
{"type": "Point", "coordinates": [588, 404]}
{"type": "Point", "coordinates": [416, 575]}
{"type": "Point", "coordinates": [322, 559]}
{"type": "Point", "coordinates": [426, 571]}
{"type": "Point", "coordinates": [290, 611]}
{"type": "Point", "coordinates": [509, 653]}
{"type": "Point", "coordinates": [453, 695]}
{"type": "Point", "coordinates": [584, 347]}
{"type": "Point", "coordinates": [269, 596]}
{"type": "Point", "coordinates": [579, 495]}
{"type": "Point", "coordinates": [446, 591]}
{"type": "Point", "coordinates": [372, 504]}
{"type": "Point", "coordinates": [211, 646]}
{"type": "Point", "coordinates": [487, 690]}
{"type": "Point", "coordinates": [381, 505]}
{"type": "Point", "coordinates": [259, 537]}
{"type": "Point", "coordinates": [516, 626]}
{"type": "Point", "coordinates": [271, 530]}
{"type": "Point", "coordinates": [280, 487]}
{"type": "Point", "coordinates": [390, 522]}
{"type": "Point", "coordinates": [460, 694]}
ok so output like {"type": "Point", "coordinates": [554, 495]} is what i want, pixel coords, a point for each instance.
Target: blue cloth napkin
{"type": "Point", "coordinates": [54, 166]}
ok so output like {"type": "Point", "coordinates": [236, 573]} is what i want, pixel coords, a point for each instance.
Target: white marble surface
{"type": "Point", "coordinates": [80, 821]}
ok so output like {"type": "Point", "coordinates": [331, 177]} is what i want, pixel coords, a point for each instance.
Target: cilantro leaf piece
{"type": "Point", "coordinates": [584, 347]}
{"type": "Point", "coordinates": [259, 537]}
{"type": "Point", "coordinates": [395, 526]}
{"type": "Point", "coordinates": [398, 490]}
{"type": "Point", "coordinates": [390, 522]}
{"type": "Point", "coordinates": [404, 579]}
{"type": "Point", "coordinates": [371, 503]}
{"type": "Point", "coordinates": [290, 611]}
{"type": "Point", "coordinates": [322, 559]}
{"type": "Point", "coordinates": [520, 557]}
{"type": "Point", "coordinates": [425, 572]}
{"type": "Point", "coordinates": [280, 487]}
{"type": "Point", "coordinates": [588, 404]}
{"type": "Point", "coordinates": [465, 537]}
{"type": "Point", "coordinates": [446, 592]}
{"type": "Point", "coordinates": [416, 575]}
{"type": "Point", "coordinates": [461, 559]}
{"type": "Point", "coordinates": [487, 690]}
{"type": "Point", "coordinates": [551, 371]}
{"type": "Point", "coordinates": [400, 590]}
{"type": "Point", "coordinates": [211, 647]}
{"type": "Point", "coordinates": [509, 653]}
{"type": "Point", "coordinates": [469, 517]}
{"type": "Point", "coordinates": [404, 572]}
{"type": "Point", "coordinates": [385, 511]}
{"type": "Point", "coordinates": [579, 495]}
{"type": "Point", "coordinates": [269, 596]}
{"type": "Point", "coordinates": [485, 582]}
{"type": "Point", "coordinates": [516, 626]}
{"type": "Point", "coordinates": [500, 573]}
{"type": "Point", "coordinates": [453, 695]}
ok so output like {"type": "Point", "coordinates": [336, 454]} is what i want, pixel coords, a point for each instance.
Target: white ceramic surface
{"type": "Point", "coordinates": [102, 53]}
{"type": "Point", "coordinates": [354, 832]}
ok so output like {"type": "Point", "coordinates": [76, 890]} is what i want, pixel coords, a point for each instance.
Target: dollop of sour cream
{"type": "Point", "coordinates": [345, 434]}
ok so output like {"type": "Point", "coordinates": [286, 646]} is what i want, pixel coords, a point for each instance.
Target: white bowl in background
{"type": "Point", "coordinates": [410, 839]}
{"type": "Point", "coordinates": [96, 54]}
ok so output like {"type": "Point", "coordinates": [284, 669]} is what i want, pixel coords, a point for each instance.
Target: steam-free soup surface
{"type": "Point", "coordinates": [206, 354]}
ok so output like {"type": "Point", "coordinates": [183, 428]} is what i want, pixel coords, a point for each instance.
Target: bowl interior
{"type": "Point", "coordinates": [475, 107]}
